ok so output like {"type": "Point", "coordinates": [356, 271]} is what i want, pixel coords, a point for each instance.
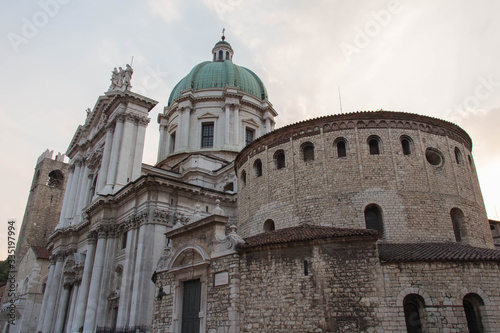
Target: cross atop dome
{"type": "Point", "coordinates": [222, 50]}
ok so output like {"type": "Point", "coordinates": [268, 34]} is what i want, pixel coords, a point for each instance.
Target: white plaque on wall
{"type": "Point", "coordinates": [221, 278]}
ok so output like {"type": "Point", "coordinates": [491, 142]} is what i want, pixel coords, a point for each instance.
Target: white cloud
{"type": "Point", "coordinates": [168, 10]}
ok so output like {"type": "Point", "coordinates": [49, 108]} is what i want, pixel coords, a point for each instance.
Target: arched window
{"type": "Point", "coordinates": [257, 165]}
{"type": "Point", "coordinates": [374, 145]}
{"type": "Point", "coordinates": [470, 160]}
{"type": "Point", "coordinates": [406, 145]}
{"type": "Point", "coordinates": [340, 144]}
{"type": "Point", "coordinates": [457, 219]}
{"type": "Point", "coordinates": [244, 177]}
{"type": "Point", "coordinates": [308, 151]}
{"type": "Point", "coordinates": [221, 55]}
{"type": "Point", "coordinates": [413, 305]}
{"type": "Point", "coordinates": [279, 158]}
{"type": "Point", "coordinates": [458, 155]}
{"type": "Point", "coordinates": [215, 54]}
{"type": "Point", "coordinates": [269, 225]}
{"type": "Point", "coordinates": [56, 178]}
{"type": "Point", "coordinates": [306, 268]}
{"type": "Point", "coordinates": [472, 307]}
{"type": "Point", "coordinates": [227, 55]}
{"type": "Point", "coordinates": [373, 218]}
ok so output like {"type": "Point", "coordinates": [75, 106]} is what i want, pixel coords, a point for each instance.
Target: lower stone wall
{"type": "Point", "coordinates": [338, 293]}
{"type": "Point", "coordinates": [443, 286]}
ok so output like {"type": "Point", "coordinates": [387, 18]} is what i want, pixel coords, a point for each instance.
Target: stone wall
{"type": "Point", "coordinates": [443, 286]}
{"type": "Point", "coordinates": [338, 294]}
{"type": "Point", "coordinates": [415, 197]}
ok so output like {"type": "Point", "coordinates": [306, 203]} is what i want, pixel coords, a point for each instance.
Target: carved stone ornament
{"type": "Point", "coordinates": [232, 239]}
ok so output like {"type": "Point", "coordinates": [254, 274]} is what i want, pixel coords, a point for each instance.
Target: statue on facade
{"type": "Point", "coordinates": [120, 78]}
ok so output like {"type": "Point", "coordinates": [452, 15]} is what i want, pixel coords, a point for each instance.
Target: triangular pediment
{"type": "Point", "coordinates": [208, 115]}
{"type": "Point", "coordinates": [250, 122]}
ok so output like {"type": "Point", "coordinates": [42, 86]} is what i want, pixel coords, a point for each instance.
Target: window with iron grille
{"type": "Point", "coordinates": [249, 134]}
{"type": "Point", "coordinates": [207, 135]}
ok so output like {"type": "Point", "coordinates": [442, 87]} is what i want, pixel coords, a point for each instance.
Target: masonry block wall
{"type": "Point", "coordinates": [443, 286]}
{"type": "Point", "coordinates": [337, 292]}
{"type": "Point", "coordinates": [415, 196]}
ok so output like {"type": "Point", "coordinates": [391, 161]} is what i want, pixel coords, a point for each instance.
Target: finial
{"type": "Point", "coordinates": [223, 30]}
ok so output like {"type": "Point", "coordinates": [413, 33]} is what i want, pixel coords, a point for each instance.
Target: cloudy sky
{"type": "Point", "coordinates": [436, 58]}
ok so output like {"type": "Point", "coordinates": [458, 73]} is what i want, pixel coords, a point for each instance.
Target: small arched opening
{"type": "Point", "coordinates": [373, 218]}
{"type": "Point", "coordinates": [269, 225]}
{"type": "Point", "coordinates": [472, 306]}
{"type": "Point", "coordinates": [413, 305]}
{"type": "Point", "coordinates": [308, 151]}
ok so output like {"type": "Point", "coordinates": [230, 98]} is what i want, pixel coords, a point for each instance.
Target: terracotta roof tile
{"type": "Point", "coordinates": [41, 252]}
{"type": "Point", "coordinates": [304, 232]}
{"type": "Point", "coordinates": [405, 252]}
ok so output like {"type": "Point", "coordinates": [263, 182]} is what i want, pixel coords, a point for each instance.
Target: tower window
{"type": "Point", "coordinates": [306, 268]}
{"type": "Point", "coordinates": [258, 168]}
{"type": "Point", "coordinates": [227, 55]}
{"type": "Point", "coordinates": [221, 55]}
{"type": "Point", "coordinates": [207, 135]}
{"type": "Point", "coordinates": [308, 151]}
{"type": "Point", "coordinates": [249, 135]}
{"type": "Point", "coordinates": [373, 218]}
{"type": "Point", "coordinates": [56, 178]}
{"type": "Point", "coordinates": [279, 158]}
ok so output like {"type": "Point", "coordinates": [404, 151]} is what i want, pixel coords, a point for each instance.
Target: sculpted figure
{"type": "Point", "coordinates": [115, 83]}
{"type": "Point", "coordinates": [127, 76]}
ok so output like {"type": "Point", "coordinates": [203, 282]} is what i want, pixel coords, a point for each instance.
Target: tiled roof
{"type": "Point", "coordinates": [41, 252]}
{"type": "Point", "coordinates": [304, 232]}
{"type": "Point", "coordinates": [405, 252]}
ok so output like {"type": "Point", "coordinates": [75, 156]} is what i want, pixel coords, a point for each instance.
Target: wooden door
{"type": "Point", "coordinates": [191, 306]}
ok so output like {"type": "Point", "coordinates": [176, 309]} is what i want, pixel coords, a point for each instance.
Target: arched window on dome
{"type": "Point", "coordinates": [472, 307]}
{"type": "Point", "coordinates": [269, 225]}
{"type": "Point", "coordinates": [406, 144]}
{"type": "Point", "coordinates": [341, 146]}
{"type": "Point", "coordinates": [221, 55]}
{"type": "Point", "coordinates": [458, 219]}
{"type": "Point", "coordinates": [227, 55]}
{"type": "Point", "coordinates": [258, 168]}
{"type": "Point", "coordinates": [279, 158]}
{"type": "Point", "coordinates": [373, 218]}
{"type": "Point", "coordinates": [458, 155]}
{"type": "Point", "coordinates": [374, 145]}
{"type": "Point", "coordinates": [243, 177]}
{"type": "Point", "coordinates": [413, 306]}
{"type": "Point", "coordinates": [308, 151]}
{"type": "Point", "coordinates": [215, 55]}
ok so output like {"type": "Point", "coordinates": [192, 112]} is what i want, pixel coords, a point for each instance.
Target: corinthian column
{"type": "Point", "coordinates": [95, 284]}
{"type": "Point", "coordinates": [84, 287]}
{"type": "Point", "coordinates": [63, 307]}
{"type": "Point", "coordinates": [54, 288]}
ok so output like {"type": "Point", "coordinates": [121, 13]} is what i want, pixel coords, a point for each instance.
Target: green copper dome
{"type": "Point", "coordinates": [219, 74]}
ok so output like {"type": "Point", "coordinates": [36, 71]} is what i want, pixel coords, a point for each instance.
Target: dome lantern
{"type": "Point", "coordinates": [222, 50]}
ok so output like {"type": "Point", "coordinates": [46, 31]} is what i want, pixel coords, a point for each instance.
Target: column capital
{"type": "Point", "coordinates": [92, 236]}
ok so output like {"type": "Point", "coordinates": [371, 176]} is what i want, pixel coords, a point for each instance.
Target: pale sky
{"type": "Point", "coordinates": [436, 58]}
